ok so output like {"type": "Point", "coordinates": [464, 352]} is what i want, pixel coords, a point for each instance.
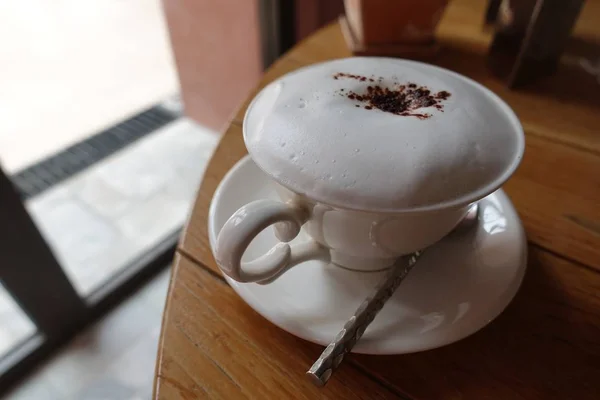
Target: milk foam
{"type": "Point", "coordinates": [300, 130]}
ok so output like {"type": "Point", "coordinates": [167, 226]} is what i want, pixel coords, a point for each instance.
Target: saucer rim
{"type": "Point", "coordinates": [258, 307]}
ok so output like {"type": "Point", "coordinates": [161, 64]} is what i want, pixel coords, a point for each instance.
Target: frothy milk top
{"type": "Point", "coordinates": [314, 132]}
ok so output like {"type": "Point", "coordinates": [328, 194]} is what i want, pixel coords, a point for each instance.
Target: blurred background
{"type": "Point", "coordinates": [109, 112]}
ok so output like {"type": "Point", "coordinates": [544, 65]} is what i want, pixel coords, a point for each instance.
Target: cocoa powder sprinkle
{"type": "Point", "coordinates": [443, 95]}
{"type": "Point", "coordinates": [398, 99]}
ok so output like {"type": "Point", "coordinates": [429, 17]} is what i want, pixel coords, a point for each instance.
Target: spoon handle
{"type": "Point", "coordinates": [352, 331]}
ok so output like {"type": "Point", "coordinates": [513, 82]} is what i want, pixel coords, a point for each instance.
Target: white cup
{"type": "Point", "coordinates": [358, 240]}
{"type": "Point", "coordinates": [353, 236]}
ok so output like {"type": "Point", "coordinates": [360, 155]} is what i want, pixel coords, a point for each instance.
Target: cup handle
{"type": "Point", "coordinates": [247, 222]}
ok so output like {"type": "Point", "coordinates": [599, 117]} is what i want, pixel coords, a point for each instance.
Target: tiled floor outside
{"type": "Point", "coordinates": [15, 326]}
{"type": "Point", "coordinates": [101, 219]}
{"type": "Point", "coordinates": [112, 360]}
{"type": "Point", "coordinates": [69, 70]}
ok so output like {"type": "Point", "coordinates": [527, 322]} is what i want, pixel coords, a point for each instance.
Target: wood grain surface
{"type": "Point", "coordinates": [545, 345]}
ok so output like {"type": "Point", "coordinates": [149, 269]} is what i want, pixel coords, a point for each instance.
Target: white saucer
{"type": "Point", "coordinates": [457, 287]}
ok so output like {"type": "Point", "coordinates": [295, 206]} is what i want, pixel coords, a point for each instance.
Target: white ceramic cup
{"type": "Point", "coordinates": [354, 237]}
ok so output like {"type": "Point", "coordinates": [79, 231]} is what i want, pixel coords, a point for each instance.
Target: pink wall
{"type": "Point", "coordinates": [216, 44]}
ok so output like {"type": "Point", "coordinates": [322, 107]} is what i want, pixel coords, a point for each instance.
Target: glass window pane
{"type": "Point", "coordinates": [15, 326]}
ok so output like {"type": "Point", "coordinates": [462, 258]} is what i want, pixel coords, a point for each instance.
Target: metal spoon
{"type": "Point", "coordinates": [354, 328]}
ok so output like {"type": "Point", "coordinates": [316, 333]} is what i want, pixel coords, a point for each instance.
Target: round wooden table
{"type": "Point", "coordinates": [546, 344]}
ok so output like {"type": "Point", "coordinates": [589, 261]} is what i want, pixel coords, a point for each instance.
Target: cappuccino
{"type": "Point", "coordinates": [383, 134]}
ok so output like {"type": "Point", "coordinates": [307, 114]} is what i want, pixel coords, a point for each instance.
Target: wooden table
{"type": "Point", "coordinates": [545, 345]}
